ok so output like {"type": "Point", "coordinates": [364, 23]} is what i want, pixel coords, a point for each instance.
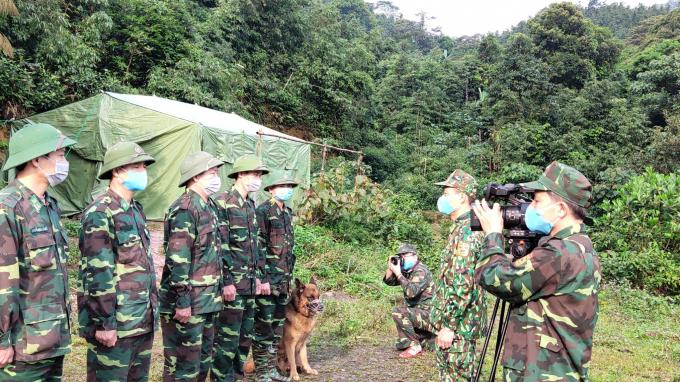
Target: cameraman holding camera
{"type": "Point", "coordinates": [553, 289]}
{"type": "Point", "coordinates": [412, 320]}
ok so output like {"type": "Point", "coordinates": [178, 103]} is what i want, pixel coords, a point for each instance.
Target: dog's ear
{"type": "Point", "coordinates": [313, 280]}
{"type": "Point", "coordinates": [299, 284]}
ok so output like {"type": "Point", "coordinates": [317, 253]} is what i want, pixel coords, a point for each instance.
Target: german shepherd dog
{"type": "Point", "coordinates": [301, 314]}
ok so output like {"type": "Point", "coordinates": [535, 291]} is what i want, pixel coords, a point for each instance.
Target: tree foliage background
{"type": "Point", "coordinates": [595, 87]}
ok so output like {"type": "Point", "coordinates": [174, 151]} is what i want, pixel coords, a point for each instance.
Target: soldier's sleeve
{"type": "Point", "coordinates": [460, 294]}
{"type": "Point", "coordinates": [99, 264]}
{"type": "Point", "coordinates": [522, 280]}
{"type": "Point", "coordinates": [225, 251]}
{"type": "Point", "coordinates": [263, 236]}
{"type": "Point", "coordinates": [391, 281]}
{"type": "Point", "coordinates": [9, 280]}
{"type": "Point", "coordinates": [414, 286]}
{"type": "Point", "coordinates": [181, 239]}
{"type": "Point", "coordinates": [261, 258]}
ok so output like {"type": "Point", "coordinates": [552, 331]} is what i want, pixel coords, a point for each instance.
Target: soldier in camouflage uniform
{"type": "Point", "coordinates": [244, 271]}
{"type": "Point", "coordinates": [34, 298]}
{"type": "Point", "coordinates": [552, 290]}
{"type": "Point", "coordinates": [412, 320]}
{"type": "Point", "coordinates": [117, 294]}
{"type": "Point", "coordinates": [191, 286]}
{"type": "Point", "coordinates": [459, 311]}
{"type": "Point", "coordinates": [276, 228]}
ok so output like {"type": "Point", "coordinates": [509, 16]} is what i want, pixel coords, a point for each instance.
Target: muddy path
{"type": "Point", "coordinates": [372, 360]}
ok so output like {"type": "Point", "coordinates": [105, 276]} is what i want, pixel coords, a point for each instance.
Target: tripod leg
{"type": "Point", "coordinates": [506, 321]}
{"type": "Point", "coordinates": [489, 332]}
{"type": "Point", "coordinates": [499, 341]}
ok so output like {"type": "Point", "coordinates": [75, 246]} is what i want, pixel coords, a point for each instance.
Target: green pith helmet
{"type": "Point", "coordinates": [462, 181]}
{"type": "Point", "coordinates": [280, 178]}
{"type": "Point", "coordinates": [33, 141]}
{"type": "Point", "coordinates": [122, 154]}
{"type": "Point", "coordinates": [248, 162]}
{"type": "Point", "coordinates": [566, 182]}
{"type": "Point", "coordinates": [407, 248]}
{"type": "Point", "coordinates": [196, 164]}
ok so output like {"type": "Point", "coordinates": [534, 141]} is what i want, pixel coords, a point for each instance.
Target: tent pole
{"type": "Point", "coordinates": [311, 143]}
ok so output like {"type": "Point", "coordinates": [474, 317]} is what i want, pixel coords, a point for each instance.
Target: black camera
{"type": "Point", "coordinates": [396, 260]}
{"type": "Point", "coordinates": [514, 200]}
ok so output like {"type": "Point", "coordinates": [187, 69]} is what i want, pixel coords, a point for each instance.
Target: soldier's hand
{"type": "Point", "coordinates": [229, 293]}
{"type": "Point", "coordinates": [490, 218]}
{"type": "Point", "coordinates": [6, 356]}
{"type": "Point", "coordinates": [395, 269]}
{"type": "Point", "coordinates": [444, 338]}
{"type": "Point", "coordinates": [265, 289]}
{"type": "Point", "coordinates": [182, 315]}
{"type": "Point", "coordinates": [107, 338]}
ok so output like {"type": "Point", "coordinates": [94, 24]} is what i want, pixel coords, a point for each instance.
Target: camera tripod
{"type": "Point", "coordinates": [521, 243]}
{"type": "Point", "coordinates": [500, 338]}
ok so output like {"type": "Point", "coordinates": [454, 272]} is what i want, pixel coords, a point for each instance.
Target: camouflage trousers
{"type": "Point", "coordinates": [413, 326]}
{"type": "Point", "coordinates": [188, 348]}
{"type": "Point", "coordinates": [128, 360]}
{"type": "Point", "coordinates": [233, 336]}
{"type": "Point", "coordinates": [270, 314]}
{"type": "Point", "coordinates": [46, 370]}
{"type": "Point", "coordinates": [457, 364]}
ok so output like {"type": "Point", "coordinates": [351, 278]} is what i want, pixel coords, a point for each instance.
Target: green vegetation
{"type": "Point", "coordinates": [638, 234]}
{"type": "Point", "coordinates": [595, 87]}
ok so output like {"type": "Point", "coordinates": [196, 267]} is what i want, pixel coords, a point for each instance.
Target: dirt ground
{"type": "Point", "coordinates": [369, 361]}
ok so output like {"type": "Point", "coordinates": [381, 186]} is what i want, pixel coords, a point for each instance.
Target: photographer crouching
{"type": "Point", "coordinates": [553, 289]}
{"type": "Point", "coordinates": [413, 319]}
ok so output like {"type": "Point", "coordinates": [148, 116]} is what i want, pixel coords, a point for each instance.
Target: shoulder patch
{"type": "Point", "coordinates": [10, 196]}
{"type": "Point", "coordinates": [184, 201]}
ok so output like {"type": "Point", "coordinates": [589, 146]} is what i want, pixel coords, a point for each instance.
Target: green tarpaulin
{"type": "Point", "coordinates": [168, 130]}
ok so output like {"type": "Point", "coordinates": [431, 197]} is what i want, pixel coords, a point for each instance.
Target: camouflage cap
{"type": "Point", "coordinates": [280, 178]}
{"type": "Point", "coordinates": [566, 182]}
{"type": "Point", "coordinates": [196, 164]}
{"type": "Point", "coordinates": [122, 154]}
{"type": "Point", "coordinates": [248, 162]}
{"type": "Point", "coordinates": [33, 141]}
{"type": "Point", "coordinates": [406, 248]}
{"type": "Point", "coordinates": [461, 181]}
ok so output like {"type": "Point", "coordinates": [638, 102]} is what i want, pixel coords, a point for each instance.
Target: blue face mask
{"type": "Point", "coordinates": [444, 205]}
{"type": "Point", "coordinates": [537, 223]}
{"type": "Point", "coordinates": [283, 194]}
{"type": "Point", "coordinates": [135, 180]}
{"type": "Point", "coordinates": [408, 263]}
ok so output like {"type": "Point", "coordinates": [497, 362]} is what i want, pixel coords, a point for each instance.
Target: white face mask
{"type": "Point", "coordinates": [211, 184]}
{"type": "Point", "coordinates": [254, 185]}
{"type": "Point", "coordinates": [61, 168]}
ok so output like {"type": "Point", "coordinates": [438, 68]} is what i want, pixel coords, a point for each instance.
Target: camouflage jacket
{"type": "Point", "coordinates": [276, 229]}
{"type": "Point", "coordinates": [117, 279]}
{"type": "Point", "coordinates": [243, 254]}
{"type": "Point", "coordinates": [417, 285]}
{"type": "Point", "coordinates": [458, 302]}
{"type": "Point", "coordinates": [34, 303]}
{"type": "Point", "coordinates": [554, 293]}
{"type": "Point", "coordinates": [192, 275]}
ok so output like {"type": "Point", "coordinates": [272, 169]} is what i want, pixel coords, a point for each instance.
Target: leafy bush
{"type": "Point", "coordinates": [638, 234]}
{"type": "Point", "coordinates": [361, 211]}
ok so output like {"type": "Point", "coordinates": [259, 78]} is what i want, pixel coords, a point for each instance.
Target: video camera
{"type": "Point", "coordinates": [514, 200]}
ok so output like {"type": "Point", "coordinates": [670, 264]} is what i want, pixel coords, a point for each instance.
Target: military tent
{"type": "Point", "coordinates": [167, 130]}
